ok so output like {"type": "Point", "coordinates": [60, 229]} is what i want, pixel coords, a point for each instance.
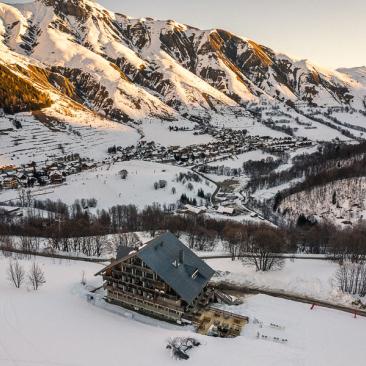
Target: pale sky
{"type": "Point", "coordinates": [331, 33]}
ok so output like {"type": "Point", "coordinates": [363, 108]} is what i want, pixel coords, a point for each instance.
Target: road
{"type": "Point", "coordinates": [54, 255]}
{"type": "Point", "coordinates": [213, 197]}
{"type": "Point", "coordinates": [238, 290]}
{"type": "Point", "coordinates": [284, 256]}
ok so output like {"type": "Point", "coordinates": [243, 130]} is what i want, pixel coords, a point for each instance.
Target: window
{"type": "Point", "coordinates": [195, 274]}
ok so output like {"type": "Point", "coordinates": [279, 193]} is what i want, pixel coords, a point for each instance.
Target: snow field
{"type": "Point", "coordinates": [57, 326]}
{"type": "Point", "coordinates": [304, 277]}
{"type": "Point", "coordinates": [237, 161]}
{"type": "Point", "coordinates": [105, 184]}
{"type": "Point", "coordinates": [85, 133]}
{"type": "Point", "coordinates": [158, 131]}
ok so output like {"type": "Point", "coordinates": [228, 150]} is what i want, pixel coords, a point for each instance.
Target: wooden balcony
{"type": "Point", "coordinates": [139, 277]}
{"type": "Point", "coordinates": [155, 306]}
{"type": "Point", "coordinates": [155, 293]}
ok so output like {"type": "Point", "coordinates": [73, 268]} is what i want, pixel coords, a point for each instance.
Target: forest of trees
{"type": "Point", "coordinates": [354, 170]}
{"type": "Point", "coordinates": [18, 94]}
{"type": "Point", "coordinates": [329, 159]}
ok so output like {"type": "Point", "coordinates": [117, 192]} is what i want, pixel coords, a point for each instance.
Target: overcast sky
{"type": "Point", "coordinates": [331, 33]}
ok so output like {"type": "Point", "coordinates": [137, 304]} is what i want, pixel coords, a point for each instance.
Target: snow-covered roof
{"type": "Point", "coordinates": [175, 264]}
{"type": "Point", "coordinates": [194, 209]}
{"type": "Point", "coordinates": [225, 210]}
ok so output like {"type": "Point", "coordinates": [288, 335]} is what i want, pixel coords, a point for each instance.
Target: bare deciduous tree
{"type": "Point", "coordinates": [6, 242]}
{"type": "Point", "coordinates": [16, 273]}
{"type": "Point", "coordinates": [265, 250]}
{"type": "Point", "coordinates": [22, 197]}
{"type": "Point", "coordinates": [351, 278]}
{"type": "Point", "coordinates": [36, 276]}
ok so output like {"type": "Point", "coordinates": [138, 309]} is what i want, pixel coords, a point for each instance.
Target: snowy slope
{"type": "Point", "coordinates": [109, 189]}
{"type": "Point", "coordinates": [84, 133]}
{"type": "Point", "coordinates": [57, 326]}
{"type": "Point", "coordinates": [302, 277]}
{"type": "Point", "coordinates": [356, 73]}
{"type": "Point", "coordinates": [340, 202]}
{"type": "Point", "coordinates": [130, 69]}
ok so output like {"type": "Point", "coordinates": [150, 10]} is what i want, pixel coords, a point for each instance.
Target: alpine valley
{"type": "Point", "coordinates": [81, 82]}
{"type": "Point", "coordinates": [171, 195]}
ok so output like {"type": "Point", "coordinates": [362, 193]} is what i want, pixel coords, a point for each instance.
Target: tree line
{"type": "Point", "coordinates": [70, 229]}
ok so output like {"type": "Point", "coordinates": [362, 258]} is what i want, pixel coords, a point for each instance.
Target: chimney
{"type": "Point", "coordinates": [181, 256]}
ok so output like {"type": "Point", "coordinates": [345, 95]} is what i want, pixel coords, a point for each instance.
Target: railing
{"type": "Point", "coordinates": [155, 283]}
{"type": "Point", "coordinates": [142, 288]}
{"type": "Point", "coordinates": [139, 301]}
{"type": "Point", "coordinates": [140, 268]}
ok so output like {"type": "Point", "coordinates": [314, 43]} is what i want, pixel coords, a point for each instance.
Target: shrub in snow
{"type": "Point", "coordinates": [123, 174]}
{"type": "Point", "coordinates": [179, 347]}
{"type": "Point", "coordinates": [92, 202]}
{"type": "Point", "coordinates": [36, 276]}
{"type": "Point", "coordinates": [83, 278]}
{"type": "Point", "coordinates": [16, 273]}
{"type": "Point", "coordinates": [162, 183]}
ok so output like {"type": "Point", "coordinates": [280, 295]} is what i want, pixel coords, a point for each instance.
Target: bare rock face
{"type": "Point", "coordinates": [77, 8]}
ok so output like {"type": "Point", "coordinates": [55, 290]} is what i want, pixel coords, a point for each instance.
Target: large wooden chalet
{"type": "Point", "coordinates": [163, 279]}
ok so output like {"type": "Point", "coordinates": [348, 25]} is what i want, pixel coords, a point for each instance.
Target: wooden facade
{"type": "Point", "coordinates": [132, 283]}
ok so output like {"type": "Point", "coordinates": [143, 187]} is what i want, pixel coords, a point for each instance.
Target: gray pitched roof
{"type": "Point", "coordinates": [123, 251]}
{"type": "Point", "coordinates": [177, 265]}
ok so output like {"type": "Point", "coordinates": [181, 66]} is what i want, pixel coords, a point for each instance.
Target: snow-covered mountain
{"type": "Point", "coordinates": [356, 73]}
{"type": "Point", "coordinates": [83, 56]}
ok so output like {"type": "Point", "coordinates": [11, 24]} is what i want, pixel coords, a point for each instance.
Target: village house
{"type": "Point", "coordinates": [56, 177]}
{"type": "Point", "coordinates": [10, 182]}
{"type": "Point", "coordinates": [230, 211]}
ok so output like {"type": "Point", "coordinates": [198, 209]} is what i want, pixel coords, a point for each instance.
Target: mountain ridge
{"type": "Point", "coordinates": [131, 69]}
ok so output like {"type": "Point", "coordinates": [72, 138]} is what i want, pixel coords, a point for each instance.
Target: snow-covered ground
{"type": "Point", "coordinates": [57, 326]}
{"type": "Point", "coordinates": [315, 337]}
{"type": "Point", "coordinates": [253, 127]}
{"type": "Point", "coordinates": [305, 277]}
{"type": "Point", "coordinates": [237, 161]}
{"type": "Point", "coordinates": [356, 119]}
{"type": "Point", "coordinates": [105, 185]}
{"type": "Point", "coordinates": [158, 131]}
{"type": "Point", "coordinates": [84, 133]}
{"type": "Point", "coordinates": [268, 193]}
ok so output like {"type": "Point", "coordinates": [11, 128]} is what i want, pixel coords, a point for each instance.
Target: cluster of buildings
{"type": "Point", "coordinates": [227, 142]}
{"type": "Point", "coordinates": [41, 174]}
